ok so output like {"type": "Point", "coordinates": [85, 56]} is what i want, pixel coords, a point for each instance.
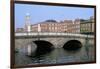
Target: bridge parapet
{"type": "Point", "coordinates": [52, 34]}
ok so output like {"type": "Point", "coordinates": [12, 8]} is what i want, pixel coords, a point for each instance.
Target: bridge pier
{"type": "Point", "coordinates": [29, 50]}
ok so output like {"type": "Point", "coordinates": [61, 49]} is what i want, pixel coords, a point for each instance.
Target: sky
{"type": "Point", "coordinates": [40, 13]}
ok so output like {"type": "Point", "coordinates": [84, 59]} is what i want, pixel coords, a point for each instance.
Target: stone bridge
{"type": "Point", "coordinates": [30, 41]}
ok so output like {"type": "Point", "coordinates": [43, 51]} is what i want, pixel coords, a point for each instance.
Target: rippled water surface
{"type": "Point", "coordinates": [56, 56]}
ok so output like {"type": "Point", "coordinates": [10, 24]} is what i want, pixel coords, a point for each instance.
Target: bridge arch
{"type": "Point", "coordinates": [72, 45]}
{"type": "Point", "coordinates": [43, 47]}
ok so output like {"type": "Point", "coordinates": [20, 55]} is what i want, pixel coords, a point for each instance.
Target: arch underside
{"type": "Point", "coordinates": [72, 45]}
{"type": "Point", "coordinates": [43, 47]}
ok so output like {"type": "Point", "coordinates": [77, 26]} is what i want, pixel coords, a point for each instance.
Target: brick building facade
{"type": "Point", "coordinates": [68, 26]}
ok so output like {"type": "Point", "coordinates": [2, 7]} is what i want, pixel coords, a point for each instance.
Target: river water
{"type": "Point", "coordinates": [56, 56]}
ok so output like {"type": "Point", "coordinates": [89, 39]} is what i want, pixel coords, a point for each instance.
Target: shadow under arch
{"type": "Point", "coordinates": [72, 45]}
{"type": "Point", "coordinates": [43, 47]}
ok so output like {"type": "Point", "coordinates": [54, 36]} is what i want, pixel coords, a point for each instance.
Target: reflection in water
{"type": "Point", "coordinates": [58, 55]}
